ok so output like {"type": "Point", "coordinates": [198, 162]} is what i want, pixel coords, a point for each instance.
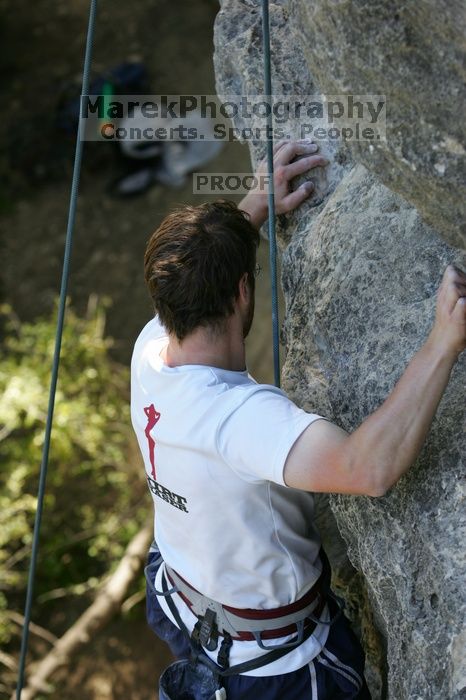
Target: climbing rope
{"type": "Point", "coordinates": [64, 288]}
{"type": "Point", "coordinates": [271, 193]}
{"type": "Point", "coordinates": [56, 356]}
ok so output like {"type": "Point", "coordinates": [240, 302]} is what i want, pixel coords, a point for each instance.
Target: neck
{"type": "Point", "coordinates": [205, 346]}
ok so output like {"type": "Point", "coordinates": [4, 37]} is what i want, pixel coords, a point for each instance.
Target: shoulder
{"type": "Point", "coordinates": [152, 331]}
{"type": "Point", "coordinates": [258, 399]}
{"type": "Point", "coordinates": [257, 431]}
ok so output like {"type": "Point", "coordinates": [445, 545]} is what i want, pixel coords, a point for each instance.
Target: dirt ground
{"type": "Point", "coordinates": [42, 52]}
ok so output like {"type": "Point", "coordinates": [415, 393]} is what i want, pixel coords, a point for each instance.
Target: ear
{"type": "Point", "coordinates": [245, 289]}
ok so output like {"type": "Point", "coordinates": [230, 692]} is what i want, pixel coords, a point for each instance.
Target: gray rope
{"type": "Point", "coordinates": [56, 357]}
{"type": "Point", "coordinates": [271, 194]}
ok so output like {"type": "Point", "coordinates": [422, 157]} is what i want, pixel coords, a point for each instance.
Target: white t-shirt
{"type": "Point", "coordinates": [214, 444]}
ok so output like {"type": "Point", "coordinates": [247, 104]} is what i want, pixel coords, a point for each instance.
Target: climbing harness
{"type": "Point", "coordinates": [219, 625]}
{"type": "Point", "coordinates": [247, 625]}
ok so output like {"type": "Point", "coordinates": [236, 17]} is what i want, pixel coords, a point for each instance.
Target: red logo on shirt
{"type": "Point", "coordinates": [152, 419]}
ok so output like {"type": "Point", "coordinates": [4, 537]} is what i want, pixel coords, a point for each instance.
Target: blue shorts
{"type": "Point", "coordinates": [336, 673]}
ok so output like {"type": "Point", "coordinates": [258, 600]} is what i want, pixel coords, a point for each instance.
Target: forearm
{"type": "Point", "coordinates": [254, 205]}
{"type": "Point", "coordinates": [389, 441]}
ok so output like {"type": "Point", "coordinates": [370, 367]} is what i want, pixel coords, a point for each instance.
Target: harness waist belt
{"type": "Point", "coordinates": [246, 624]}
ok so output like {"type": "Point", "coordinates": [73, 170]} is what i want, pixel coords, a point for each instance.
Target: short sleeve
{"type": "Point", "coordinates": [255, 438]}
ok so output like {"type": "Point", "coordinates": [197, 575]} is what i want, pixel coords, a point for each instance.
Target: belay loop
{"type": "Point", "coordinates": [208, 631]}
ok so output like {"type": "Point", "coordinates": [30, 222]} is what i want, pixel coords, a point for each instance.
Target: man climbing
{"type": "Point", "coordinates": [237, 563]}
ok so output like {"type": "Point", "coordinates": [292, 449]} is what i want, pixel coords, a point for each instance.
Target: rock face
{"type": "Point", "coordinates": [361, 265]}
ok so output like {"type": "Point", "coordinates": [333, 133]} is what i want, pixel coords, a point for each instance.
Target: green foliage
{"type": "Point", "coordinates": [90, 510]}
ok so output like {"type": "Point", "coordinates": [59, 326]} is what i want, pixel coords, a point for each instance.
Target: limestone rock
{"type": "Point", "coordinates": [361, 266]}
{"type": "Point", "coordinates": [415, 54]}
{"type": "Point", "coordinates": [362, 311]}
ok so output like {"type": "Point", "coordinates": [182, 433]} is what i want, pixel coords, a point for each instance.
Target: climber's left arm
{"type": "Point", "coordinates": [286, 199]}
{"type": "Point", "coordinates": [374, 457]}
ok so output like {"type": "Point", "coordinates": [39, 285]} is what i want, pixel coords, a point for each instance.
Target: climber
{"type": "Point", "coordinates": [236, 574]}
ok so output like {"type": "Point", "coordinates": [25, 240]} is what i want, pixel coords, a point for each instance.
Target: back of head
{"type": "Point", "coordinates": [194, 262]}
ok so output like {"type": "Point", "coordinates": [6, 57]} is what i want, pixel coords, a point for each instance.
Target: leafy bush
{"type": "Point", "coordinates": [90, 510]}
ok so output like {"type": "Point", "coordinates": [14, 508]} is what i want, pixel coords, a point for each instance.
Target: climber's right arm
{"type": "Point", "coordinates": [370, 460]}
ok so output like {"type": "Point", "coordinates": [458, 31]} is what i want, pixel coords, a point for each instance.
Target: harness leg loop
{"type": "Point", "coordinates": [223, 658]}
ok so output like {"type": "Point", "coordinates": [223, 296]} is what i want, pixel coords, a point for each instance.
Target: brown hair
{"type": "Point", "coordinates": [194, 262]}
